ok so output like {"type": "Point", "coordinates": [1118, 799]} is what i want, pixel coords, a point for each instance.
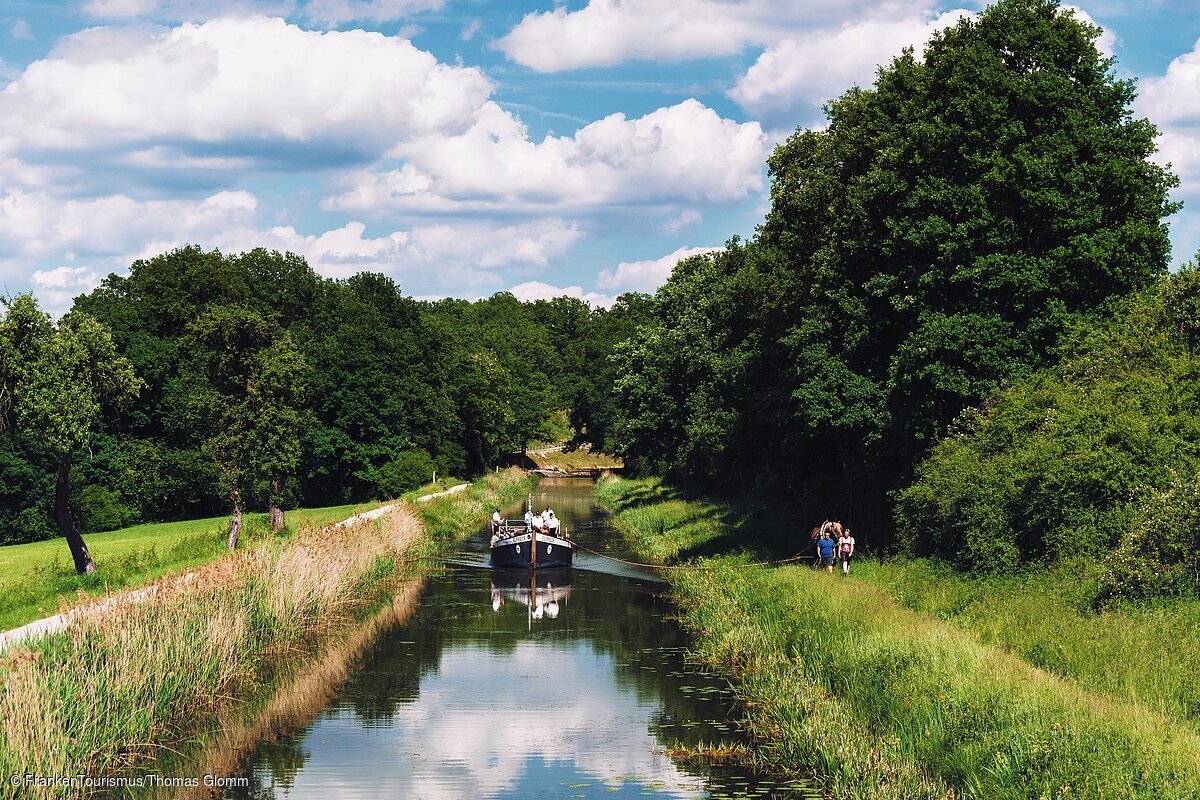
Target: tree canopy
{"type": "Point", "coordinates": [933, 242]}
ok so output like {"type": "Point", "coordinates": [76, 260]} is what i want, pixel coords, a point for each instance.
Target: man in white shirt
{"type": "Point", "coordinates": [497, 521]}
{"type": "Point", "coordinates": [538, 522]}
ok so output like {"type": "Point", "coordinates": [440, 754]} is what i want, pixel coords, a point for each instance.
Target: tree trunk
{"type": "Point", "coordinates": [66, 526]}
{"type": "Point", "coordinates": [276, 513]}
{"type": "Point", "coordinates": [235, 519]}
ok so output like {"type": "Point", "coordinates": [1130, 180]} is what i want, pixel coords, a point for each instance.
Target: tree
{"type": "Point", "coordinates": [58, 381]}
{"type": "Point", "coordinates": [247, 382]}
{"type": "Point", "coordinates": [927, 246]}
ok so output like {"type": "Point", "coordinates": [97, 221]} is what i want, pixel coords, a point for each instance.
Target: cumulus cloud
{"type": "Point", "coordinates": [1172, 101]}
{"type": "Point", "coordinates": [682, 153]}
{"type": "Point", "coordinates": [320, 12]}
{"type": "Point", "coordinates": [804, 71]}
{"type": "Point", "coordinates": [688, 218]}
{"type": "Point", "coordinates": [645, 276]}
{"type": "Point", "coordinates": [109, 233]}
{"type": "Point", "coordinates": [537, 290]}
{"type": "Point", "coordinates": [57, 287]}
{"type": "Point", "coordinates": [236, 86]}
{"type": "Point", "coordinates": [607, 32]}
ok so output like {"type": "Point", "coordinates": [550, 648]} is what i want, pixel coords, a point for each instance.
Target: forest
{"type": "Point", "coordinates": [202, 382]}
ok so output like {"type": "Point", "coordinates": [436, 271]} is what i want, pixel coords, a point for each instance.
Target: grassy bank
{"type": "Point", "coordinates": [451, 517]}
{"type": "Point", "coordinates": [106, 695]}
{"type": "Point", "coordinates": [36, 577]}
{"type": "Point", "coordinates": [879, 699]}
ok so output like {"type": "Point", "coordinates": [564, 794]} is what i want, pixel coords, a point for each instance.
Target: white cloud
{"type": "Point", "coordinates": [1172, 101]}
{"type": "Point", "coordinates": [57, 287]}
{"type": "Point", "coordinates": [322, 12]}
{"type": "Point", "coordinates": [472, 28]}
{"type": "Point", "coordinates": [688, 218]}
{"type": "Point", "coordinates": [241, 86]}
{"type": "Point", "coordinates": [20, 30]}
{"type": "Point", "coordinates": [803, 72]}
{"type": "Point", "coordinates": [607, 32]}
{"type": "Point", "coordinates": [536, 290]}
{"type": "Point", "coordinates": [645, 276]}
{"type": "Point", "coordinates": [109, 233]}
{"type": "Point", "coordinates": [682, 153]}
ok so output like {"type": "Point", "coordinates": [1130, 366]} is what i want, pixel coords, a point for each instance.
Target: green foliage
{"type": "Point", "coordinates": [929, 245]}
{"type": "Point", "coordinates": [408, 470]}
{"type": "Point", "coordinates": [246, 383]}
{"type": "Point", "coordinates": [1095, 454]}
{"type": "Point", "coordinates": [98, 508]}
{"type": "Point", "coordinates": [1159, 555]}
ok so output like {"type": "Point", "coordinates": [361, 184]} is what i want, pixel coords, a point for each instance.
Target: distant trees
{"type": "Point", "coordinates": [930, 244]}
{"type": "Point", "coordinates": [56, 383]}
{"type": "Point", "coordinates": [264, 385]}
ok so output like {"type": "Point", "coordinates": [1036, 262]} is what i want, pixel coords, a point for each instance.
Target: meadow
{"type": "Point", "coordinates": [910, 680]}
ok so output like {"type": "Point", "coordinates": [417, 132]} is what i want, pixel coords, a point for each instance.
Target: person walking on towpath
{"type": "Point", "coordinates": [825, 548]}
{"type": "Point", "coordinates": [845, 545]}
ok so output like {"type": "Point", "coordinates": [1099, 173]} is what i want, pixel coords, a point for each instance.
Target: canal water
{"type": "Point", "coordinates": [570, 684]}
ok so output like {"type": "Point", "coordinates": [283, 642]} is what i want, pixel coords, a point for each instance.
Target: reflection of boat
{"type": "Point", "coordinates": [516, 545]}
{"type": "Point", "coordinates": [543, 591]}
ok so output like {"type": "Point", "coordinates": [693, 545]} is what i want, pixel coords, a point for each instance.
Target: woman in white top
{"type": "Point", "coordinates": [845, 550]}
{"type": "Point", "coordinates": [552, 523]}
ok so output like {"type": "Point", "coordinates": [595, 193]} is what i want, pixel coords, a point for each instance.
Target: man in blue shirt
{"type": "Point", "coordinates": [825, 549]}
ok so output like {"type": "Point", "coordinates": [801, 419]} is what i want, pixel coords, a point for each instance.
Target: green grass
{"type": "Point", "coordinates": [1145, 653]}
{"type": "Point", "coordinates": [451, 517]}
{"type": "Point", "coordinates": [906, 682]}
{"type": "Point", "coordinates": [35, 577]}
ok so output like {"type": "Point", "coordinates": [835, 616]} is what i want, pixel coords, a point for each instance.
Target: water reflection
{"type": "Point", "coordinates": [568, 683]}
{"type": "Point", "coordinates": [543, 592]}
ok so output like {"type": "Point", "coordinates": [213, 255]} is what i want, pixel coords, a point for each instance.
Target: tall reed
{"type": "Point", "coordinates": [103, 696]}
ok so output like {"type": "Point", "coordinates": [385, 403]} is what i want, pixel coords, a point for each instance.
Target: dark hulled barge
{"type": "Point", "coordinates": [521, 544]}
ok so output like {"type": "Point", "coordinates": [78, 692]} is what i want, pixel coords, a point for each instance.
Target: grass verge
{"type": "Point", "coordinates": [36, 578]}
{"type": "Point", "coordinates": [883, 701]}
{"type": "Point", "coordinates": [114, 690]}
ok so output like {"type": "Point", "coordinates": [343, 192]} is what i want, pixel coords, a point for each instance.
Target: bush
{"type": "Point", "coordinates": [102, 509]}
{"type": "Point", "coordinates": [1069, 461]}
{"type": "Point", "coordinates": [408, 470]}
{"type": "Point", "coordinates": [1160, 553]}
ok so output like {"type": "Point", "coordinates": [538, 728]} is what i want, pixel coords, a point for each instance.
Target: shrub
{"type": "Point", "coordinates": [407, 470]}
{"type": "Point", "coordinates": [1064, 462]}
{"type": "Point", "coordinates": [102, 509]}
{"type": "Point", "coordinates": [1160, 553]}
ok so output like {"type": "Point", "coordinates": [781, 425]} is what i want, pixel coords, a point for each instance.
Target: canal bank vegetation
{"type": "Point", "coordinates": [127, 682]}
{"type": "Point", "coordinates": [36, 579]}
{"type": "Point", "coordinates": [904, 681]}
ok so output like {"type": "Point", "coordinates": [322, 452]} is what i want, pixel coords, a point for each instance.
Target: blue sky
{"type": "Point", "coordinates": [462, 147]}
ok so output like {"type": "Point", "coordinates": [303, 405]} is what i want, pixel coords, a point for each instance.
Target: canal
{"type": "Point", "coordinates": [570, 684]}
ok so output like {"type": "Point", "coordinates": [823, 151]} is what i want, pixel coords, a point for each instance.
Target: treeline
{"type": "Point", "coordinates": [249, 380]}
{"type": "Point", "coordinates": [939, 240]}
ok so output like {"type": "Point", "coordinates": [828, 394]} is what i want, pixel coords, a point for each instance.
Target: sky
{"type": "Point", "coordinates": [461, 147]}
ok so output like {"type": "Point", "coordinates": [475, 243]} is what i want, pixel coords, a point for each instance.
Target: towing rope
{"type": "Point", "coordinates": [686, 566]}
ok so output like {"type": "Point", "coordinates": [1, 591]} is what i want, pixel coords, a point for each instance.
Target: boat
{"type": "Point", "coordinates": [514, 545]}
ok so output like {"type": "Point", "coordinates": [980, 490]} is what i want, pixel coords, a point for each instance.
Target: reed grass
{"type": "Point", "coordinates": [878, 700]}
{"type": "Point", "coordinates": [115, 690]}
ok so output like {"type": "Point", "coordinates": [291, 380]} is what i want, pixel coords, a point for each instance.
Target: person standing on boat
{"type": "Point", "coordinates": [537, 522]}
{"type": "Point", "coordinates": [497, 521]}
{"type": "Point", "coordinates": [529, 519]}
{"type": "Point", "coordinates": [552, 522]}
